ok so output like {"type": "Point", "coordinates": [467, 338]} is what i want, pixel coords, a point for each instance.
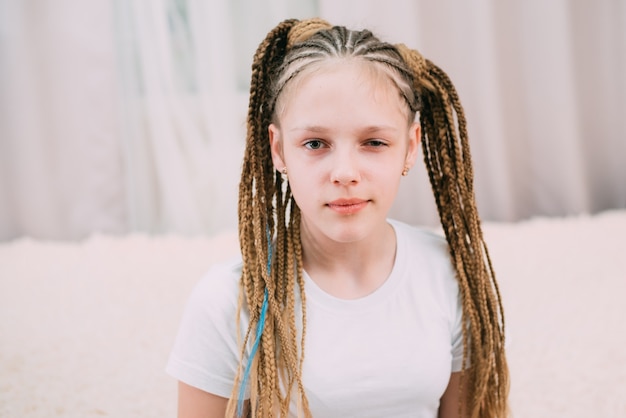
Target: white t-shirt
{"type": "Point", "coordinates": [388, 354]}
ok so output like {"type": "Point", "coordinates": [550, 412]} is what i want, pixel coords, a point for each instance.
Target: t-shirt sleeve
{"type": "Point", "coordinates": [444, 284]}
{"type": "Point", "coordinates": [457, 335]}
{"type": "Point", "coordinates": [448, 285]}
{"type": "Point", "coordinates": [206, 353]}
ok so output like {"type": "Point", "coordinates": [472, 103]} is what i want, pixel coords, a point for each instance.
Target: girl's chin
{"type": "Point", "coordinates": [348, 231]}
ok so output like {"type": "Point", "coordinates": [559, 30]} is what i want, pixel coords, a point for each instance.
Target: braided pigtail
{"type": "Point", "coordinates": [269, 236]}
{"type": "Point", "coordinates": [448, 161]}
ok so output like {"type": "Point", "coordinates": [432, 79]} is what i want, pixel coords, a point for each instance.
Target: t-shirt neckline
{"type": "Point", "coordinates": [315, 294]}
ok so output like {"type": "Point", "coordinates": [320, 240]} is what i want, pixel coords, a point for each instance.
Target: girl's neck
{"type": "Point", "coordinates": [350, 270]}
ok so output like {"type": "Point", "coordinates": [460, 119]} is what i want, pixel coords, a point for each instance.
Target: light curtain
{"type": "Point", "coordinates": [185, 68]}
{"type": "Point", "coordinates": [129, 115]}
{"type": "Point", "coordinates": [60, 165]}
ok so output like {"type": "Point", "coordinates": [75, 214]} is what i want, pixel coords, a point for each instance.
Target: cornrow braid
{"type": "Point", "coordinates": [448, 161]}
{"type": "Point", "coordinates": [269, 219]}
{"type": "Point", "coordinates": [340, 43]}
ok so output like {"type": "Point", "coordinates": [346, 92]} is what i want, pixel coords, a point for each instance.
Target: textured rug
{"type": "Point", "coordinates": [86, 328]}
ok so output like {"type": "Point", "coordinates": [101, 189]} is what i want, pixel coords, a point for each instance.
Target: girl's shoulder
{"type": "Point", "coordinates": [206, 351]}
{"type": "Point", "coordinates": [218, 288]}
{"type": "Point", "coordinates": [420, 239]}
{"type": "Point", "coordinates": [424, 255]}
{"type": "Point", "coordinates": [224, 273]}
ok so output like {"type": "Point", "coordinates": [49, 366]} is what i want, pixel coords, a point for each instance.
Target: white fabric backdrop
{"type": "Point", "coordinates": [129, 115]}
{"type": "Point", "coordinates": [184, 99]}
{"type": "Point", "coordinates": [60, 164]}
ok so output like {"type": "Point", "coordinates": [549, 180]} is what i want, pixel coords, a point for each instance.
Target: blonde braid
{"type": "Point", "coordinates": [448, 160]}
{"type": "Point", "coordinates": [296, 243]}
{"type": "Point", "coordinates": [264, 204]}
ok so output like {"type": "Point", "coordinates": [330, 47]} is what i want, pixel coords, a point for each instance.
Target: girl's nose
{"type": "Point", "coordinates": [345, 169]}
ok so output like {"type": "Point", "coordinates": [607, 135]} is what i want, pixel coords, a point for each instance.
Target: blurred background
{"type": "Point", "coordinates": [120, 116]}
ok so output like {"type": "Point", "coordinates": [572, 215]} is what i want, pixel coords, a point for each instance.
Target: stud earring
{"type": "Point", "coordinates": [284, 171]}
{"type": "Point", "coordinates": [405, 171]}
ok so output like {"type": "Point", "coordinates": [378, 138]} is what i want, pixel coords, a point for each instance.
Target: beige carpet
{"type": "Point", "coordinates": [85, 328]}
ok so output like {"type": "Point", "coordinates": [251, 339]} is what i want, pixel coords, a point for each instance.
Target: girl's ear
{"type": "Point", "coordinates": [276, 147]}
{"type": "Point", "coordinates": [415, 136]}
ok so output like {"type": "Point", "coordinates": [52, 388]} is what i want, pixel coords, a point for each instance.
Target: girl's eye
{"type": "Point", "coordinates": [375, 143]}
{"type": "Point", "coordinates": [314, 144]}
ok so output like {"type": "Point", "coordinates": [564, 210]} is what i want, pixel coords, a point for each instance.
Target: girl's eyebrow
{"type": "Point", "coordinates": [378, 128]}
{"type": "Point", "coordinates": [310, 128]}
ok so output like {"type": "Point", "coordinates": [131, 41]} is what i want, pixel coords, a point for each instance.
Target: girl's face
{"type": "Point", "coordinates": [344, 138]}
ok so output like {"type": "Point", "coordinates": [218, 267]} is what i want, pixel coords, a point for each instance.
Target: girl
{"type": "Point", "coordinates": [333, 310]}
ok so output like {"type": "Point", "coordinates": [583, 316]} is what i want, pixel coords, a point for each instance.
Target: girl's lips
{"type": "Point", "coordinates": [347, 206]}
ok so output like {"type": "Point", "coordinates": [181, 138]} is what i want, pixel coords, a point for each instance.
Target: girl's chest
{"type": "Point", "coordinates": [383, 362]}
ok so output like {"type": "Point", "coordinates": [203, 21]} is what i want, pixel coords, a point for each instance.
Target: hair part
{"type": "Point", "coordinates": [268, 216]}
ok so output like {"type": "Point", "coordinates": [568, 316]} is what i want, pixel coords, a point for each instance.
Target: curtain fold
{"type": "Point", "coordinates": [184, 99]}
{"type": "Point", "coordinates": [130, 115]}
{"type": "Point", "coordinates": [165, 141]}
